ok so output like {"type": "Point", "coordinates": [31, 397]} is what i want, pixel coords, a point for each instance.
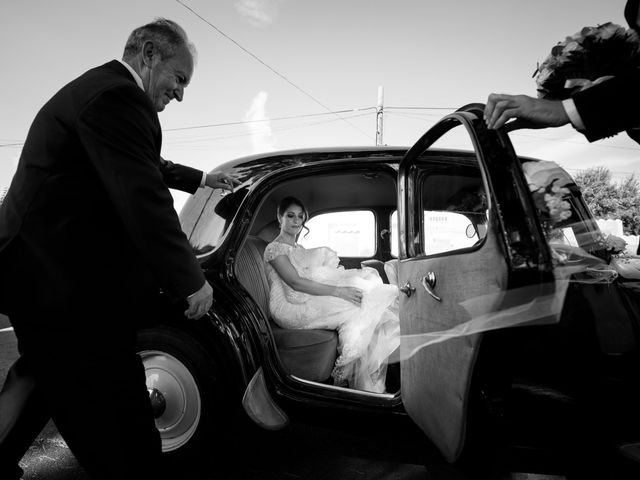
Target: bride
{"type": "Point", "coordinates": [309, 289]}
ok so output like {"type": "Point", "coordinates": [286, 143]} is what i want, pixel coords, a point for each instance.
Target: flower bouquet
{"type": "Point", "coordinates": [547, 182]}
{"type": "Point", "coordinates": [612, 245]}
{"type": "Point", "coordinates": [615, 248]}
{"type": "Point", "coordinates": [586, 58]}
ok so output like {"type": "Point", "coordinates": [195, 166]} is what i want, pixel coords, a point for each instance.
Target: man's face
{"type": "Point", "coordinates": [169, 77]}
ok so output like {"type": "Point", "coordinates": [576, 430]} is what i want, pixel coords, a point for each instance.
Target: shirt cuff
{"type": "Point", "coordinates": [572, 112]}
{"type": "Point", "coordinates": [204, 179]}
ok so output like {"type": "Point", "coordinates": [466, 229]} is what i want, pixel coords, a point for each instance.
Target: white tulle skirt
{"type": "Point", "coordinates": [367, 334]}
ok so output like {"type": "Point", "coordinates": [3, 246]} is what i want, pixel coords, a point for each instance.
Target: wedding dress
{"type": "Point", "coordinates": [367, 334]}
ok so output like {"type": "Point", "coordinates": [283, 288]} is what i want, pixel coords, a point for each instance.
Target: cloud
{"type": "Point", "coordinates": [262, 138]}
{"type": "Point", "coordinates": [259, 13]}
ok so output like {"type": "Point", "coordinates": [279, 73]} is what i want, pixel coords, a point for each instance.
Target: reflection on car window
{"type": "Point", "coordinates": [349, 234]}
{"type": "Point", "coordinates": [444, 231]}
{"type": "Point", "coordinates": [560, 209]}
{"type": "Point", "coordinates": [211, 213]}
{"type": "Point", "coordinates": [576, 231]}
{"type": "Point", "coordinates": [455, 209]}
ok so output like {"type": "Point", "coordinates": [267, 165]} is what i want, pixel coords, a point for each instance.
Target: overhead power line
{"type": "Point", "coordinates": [265, 64]}
{"type": "Point", "coordinates": [415, 116]}
{"type": "Point", "coordinates": [248, 122]}
{"type": "Point", "coordinates": [247, 134]}
{"type": "Point", "coordinates": [420, 108]}
{"type": "Point", "coordinates": [269, 119]}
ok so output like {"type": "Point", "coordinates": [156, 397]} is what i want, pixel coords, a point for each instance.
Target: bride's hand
{"type": "Point", "coordinates": [350, 294]}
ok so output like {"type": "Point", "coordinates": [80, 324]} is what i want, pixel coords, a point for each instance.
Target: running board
{"type": "Point", "coordinates": [261, 407]}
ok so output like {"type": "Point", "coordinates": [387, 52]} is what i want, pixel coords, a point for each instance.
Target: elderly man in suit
{"type": "Point", "coordinates": [88, 235]}
{"type": "Point", "coordinates": [599, 111]}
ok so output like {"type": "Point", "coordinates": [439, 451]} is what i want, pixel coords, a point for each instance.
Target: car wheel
{"type": "Point", "coordinates": [185, 390]}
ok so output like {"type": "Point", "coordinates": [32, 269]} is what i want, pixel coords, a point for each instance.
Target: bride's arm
{"type": "Point", "coordinates": [289, 274]}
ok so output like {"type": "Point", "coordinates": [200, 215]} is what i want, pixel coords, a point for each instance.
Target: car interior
{"type": "Point", "coordinates": [311, 354]}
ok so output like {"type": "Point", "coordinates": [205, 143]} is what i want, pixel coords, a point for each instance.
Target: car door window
{"type": "Point", "coordinates": [460, 222]}
{"type": "Point", "coordinates": [349, 233]}
{"type": "Point", "coordinates": [207, 216]}
{"type": "Point", "coordinates": [564, 218]}
{"type": "Point", "coordinates": [454, 206]}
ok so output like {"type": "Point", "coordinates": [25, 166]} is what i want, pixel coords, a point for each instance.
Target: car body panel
{"type": "Point", "coordinates": [436, 379]}
{"type": "Point", "coordinates": [510, 263]}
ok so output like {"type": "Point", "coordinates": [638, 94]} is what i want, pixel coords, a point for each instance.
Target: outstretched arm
{"type": "Point", "coordinates": [222, 180]}
{"type": "Point", "coordinates": [540, 112]}
{"type": "Point", "coordinates": [189, 179]}
{"type": "Point", "coordinates": [289, 274]}
{"type": "Point", "coordinates": [180, 177]}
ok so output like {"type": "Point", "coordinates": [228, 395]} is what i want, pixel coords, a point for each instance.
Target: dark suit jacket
{"type": "Point", "coordinates": [610, 107]}
{"type": "Point", "coordinates": [614, 105]}
{"type": "Point", "coordinates": [89, 206]}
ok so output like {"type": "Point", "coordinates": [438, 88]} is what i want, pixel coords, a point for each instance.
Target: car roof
{"type": "Point", "coordinates": [264, 163]}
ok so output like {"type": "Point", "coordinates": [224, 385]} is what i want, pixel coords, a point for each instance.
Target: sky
{"type": "Point", "coordinates": [263, 61]}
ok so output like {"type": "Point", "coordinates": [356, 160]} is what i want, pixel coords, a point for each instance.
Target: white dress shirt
{"type": "Point", "coordinates": [572, 112]}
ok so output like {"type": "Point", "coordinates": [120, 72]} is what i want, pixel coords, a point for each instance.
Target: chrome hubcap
{"type": "Point", "coordinates": [174, 396]}
{"type": "Point", "coordinates": [158, 403]}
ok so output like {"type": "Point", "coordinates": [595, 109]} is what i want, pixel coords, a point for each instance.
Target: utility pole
{"type": "Point", "coordinates": [379, 111]}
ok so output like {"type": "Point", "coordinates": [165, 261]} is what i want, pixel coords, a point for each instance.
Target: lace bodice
{"type": "Point", "coordinates": [274, 250]}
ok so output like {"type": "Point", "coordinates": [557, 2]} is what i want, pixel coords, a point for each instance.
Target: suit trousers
{"type": "Point", "coordinates": [78, 366]}
{"type": "Point", "coordinates": [97, 398]}
{"type": "Point", "coordinates": [23, 414]}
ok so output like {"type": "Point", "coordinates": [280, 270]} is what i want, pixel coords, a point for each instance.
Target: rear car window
{"type": "Point", "coordinates": [349, 233]}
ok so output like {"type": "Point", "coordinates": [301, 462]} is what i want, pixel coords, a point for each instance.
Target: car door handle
{"type": "Point", "coordinates": [429, 283]}
{"type": "Point", "coordinates": [407, 289]}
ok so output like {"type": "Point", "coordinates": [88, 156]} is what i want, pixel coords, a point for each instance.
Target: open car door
{"type": "Point", "coordinates": [468, 239]}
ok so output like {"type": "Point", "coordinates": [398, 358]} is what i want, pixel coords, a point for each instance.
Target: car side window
{"type": "Point", "coordinates": [452, 228]}
{"type": "Point", "coordinates": [561, 211]}
{"type": "Point", "coordinates": [349, 233]}
{"type": "Point", "coordinates": [454, 210]}
{"type": "Point", "coordinates": [207, 215]}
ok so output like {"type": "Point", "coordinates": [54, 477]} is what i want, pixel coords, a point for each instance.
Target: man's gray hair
{"type": "Point", "coordinates": [167, 36]}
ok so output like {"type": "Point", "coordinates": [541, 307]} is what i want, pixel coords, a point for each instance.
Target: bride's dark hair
{"type": "Point", "coordinates": [286, 202]}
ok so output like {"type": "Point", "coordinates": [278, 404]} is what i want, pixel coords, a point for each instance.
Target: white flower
{"type": "Point", "coordinates": [543, 76]}
{"type": "Point", "coordinates": [571, 47]}
{"type": "Point", "coordinates": [615, 244]}
{"type": "Point", "coordinates": [559, 209]}
{"type": "Point", "coordinates": [608, 30]}
{"type": "Point", "coordinates": [585, 32]}
{"type": "Point", "coordinates": [558, 189]}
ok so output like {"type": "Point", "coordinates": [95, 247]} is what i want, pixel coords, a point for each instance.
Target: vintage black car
{"type": "Point", "coordinates": [460, 233]}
